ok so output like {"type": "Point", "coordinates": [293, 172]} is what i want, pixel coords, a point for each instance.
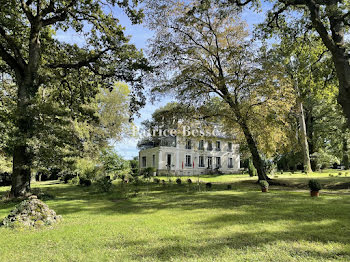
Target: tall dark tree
{"type": "Point", "coordinates": [34, 58]}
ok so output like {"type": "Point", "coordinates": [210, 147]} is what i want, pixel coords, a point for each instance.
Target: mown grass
{"type": "Point", "coordinates": [178, 223]}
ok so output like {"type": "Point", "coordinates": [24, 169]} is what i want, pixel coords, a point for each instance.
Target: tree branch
{"type": "Point", "coordinates": [13, 46]}
{"type": "Point", "coordinates": [79, 64]}
{"type": "Point", "coordinates": [61, 14]}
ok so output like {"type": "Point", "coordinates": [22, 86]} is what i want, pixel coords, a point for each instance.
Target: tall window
{"type": "Point", "coordinates": [188, 161]}
{"type": "Point", "coordinates": [218, 146]}
{"type": "Point", "coordinates": [154, 160]}
{"type": "Point", "coordinates": [230, 162]}
{"type": "Point", "coordinates": [218, 162]}
{"type": "Point", "coordinates": [201, 145]}
{"type": "Point", "coordinates": [188, 144]}
{"type": "Point", "coordinates": [210, 146]}
{"type": "Point", "coordinates": [210, 162]}
{"type": "Point", "coordinates": [201, 161]}
{"type": "Point", "coordinates": [229, 146]}
{"type": "Point", "coordinates": [144, 161]}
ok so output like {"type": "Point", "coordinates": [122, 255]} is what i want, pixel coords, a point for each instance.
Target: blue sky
{"type": "Point", "coordinates": [139, 36]}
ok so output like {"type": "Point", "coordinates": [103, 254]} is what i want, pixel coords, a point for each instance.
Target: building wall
{"type": "Point", "coordinates": [178, 157]}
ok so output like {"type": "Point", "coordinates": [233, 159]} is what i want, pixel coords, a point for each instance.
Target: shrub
{"type": "Point", "coordinates": [75, 180]}
{"type": "Point", "coordinates": [314, 185]}
{"type": "Point", "coordinates": [270, 167]}
{"type": "Point", "coordinates": [104, 183]}
{"type": "Point", "coordinates": [339, 174]}
{"type": "Point", "coordinates": [229, 187]}
{"type": "Point", "coordinates": [264, 184]}
{"type": "Point", "coordinates": [156, 180]}
{"type": "Point", "coordinates": [5, 179]}
{"type": "Point", "coordinates": [189, 181]}
{"type": "Point", "coordinates": [330, 175]}
{"type": "Point", "coordinates": [208, 185]}
{"type": "Point", "coordinates": [84, 182]}
{"type": "Point", "coordinates": [178, 181]}
{"type": "Point", "coordinates": [163, 182]}
{"type": "Point", "coordinates": [251, 169]}
{"type": "Point", "coordinates": [126, 178]}
{"type": "Point", "coordinates": [148, 172]}
{"type": "Point", "coordinates": [65, 177]}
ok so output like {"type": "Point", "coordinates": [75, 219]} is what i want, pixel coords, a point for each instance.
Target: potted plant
{"type": "Point", "coordinates": [315, 187]}
{"type": "Point", "coordinates": [264, 185]}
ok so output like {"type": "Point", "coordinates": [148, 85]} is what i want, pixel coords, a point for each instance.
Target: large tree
{"type": "Point", "coordinates": [202, 52]}
{"type": "Point", "coordinates": [330, 19]}
{"type": "Point", "coordinates": [35, 59]}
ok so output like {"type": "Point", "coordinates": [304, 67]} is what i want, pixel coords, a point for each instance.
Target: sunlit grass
{"type": "Point", "coordinates": [178, 223]}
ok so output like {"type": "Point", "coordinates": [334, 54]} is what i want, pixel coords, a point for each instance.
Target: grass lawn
{"type": "Point", "coordinates": [177, 223]}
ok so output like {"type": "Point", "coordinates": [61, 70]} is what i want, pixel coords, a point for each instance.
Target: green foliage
{"type": "Point", "coordinates": [314, 185]}
{"type": "Point", "coordinates": [5, 164]}
{"type": "Point", "coordinates": [270, 167]}
{"type": "Point", "coordinates": [112, 164]}
{"type": "Point", "coordinates": [134, 165]}
{"type": "Point", "coordinates": [324, 159]}
{"type": "Point", "coordinates": [264, 184]}
{"type": "Point", "coordinates": [104, 184]}
{"type": "Point", "coordinates": [148, 172]}
{"type": "Point", "coordinates": [85, 181]}
{"type": "Point", "coordinates": [251, 169]}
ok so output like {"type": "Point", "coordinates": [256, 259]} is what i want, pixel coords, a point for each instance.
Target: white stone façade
{"type": "Point", "coordinates": [192, 157]}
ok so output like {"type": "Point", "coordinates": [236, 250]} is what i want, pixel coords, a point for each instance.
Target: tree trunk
{"type": "Point", "coordinates": [303, 138]}
{"type": "Point", "coordinates": [336, 44]}
{"type": "Point", "coordinates": [22, 159]}
{"type": "Point", "coordinates": [257, 161]}
{"type": "Point", "coordinates": [342, 66]}
{"type": "Point", "coordinates": [21, 173]}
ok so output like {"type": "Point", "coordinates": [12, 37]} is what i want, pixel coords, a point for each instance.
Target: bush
{"type": "Point", "coordinates": [5, 179]}
{"type": "Point", "coordinates": [324, 159]}
{"type": "Point", "coordinates": [75, 180]}
{"type": "Point", "coordinates": [314, 185]}
{"type": "Point", "coordinates": [208, 185]}
{"type": "Point", "coordinates": [156, 180]}
{"type": "Point", "coordinates": [178, 181]}
{"type": "Point", "coordinates": [104, 184]}
{"type": "Point", "coordinates": [163, 182]}
{"type": "Point", "coordinates": [189, 181]}
{"type": "Point", "coordinates": [270, 167]}
{"type": "Point", "coordinates": [148, 172]}
{"type": "Point", "coordinates": [264, 184]}
{"type": "Point", "coordinates": [84, 182]}
{"type": "Point", "coordinates": [251, 169]}
{"type": "Point", "coordinates": [126, 178]}
{"type": "Point", "coordinates": [229, 187]}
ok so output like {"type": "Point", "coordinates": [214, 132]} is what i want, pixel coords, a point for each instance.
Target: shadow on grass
{"type": "Point", "coordinates": [297, 218]}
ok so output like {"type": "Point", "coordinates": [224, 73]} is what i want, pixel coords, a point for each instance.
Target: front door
{"type": "Point", "coordinates": [168, 162]}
